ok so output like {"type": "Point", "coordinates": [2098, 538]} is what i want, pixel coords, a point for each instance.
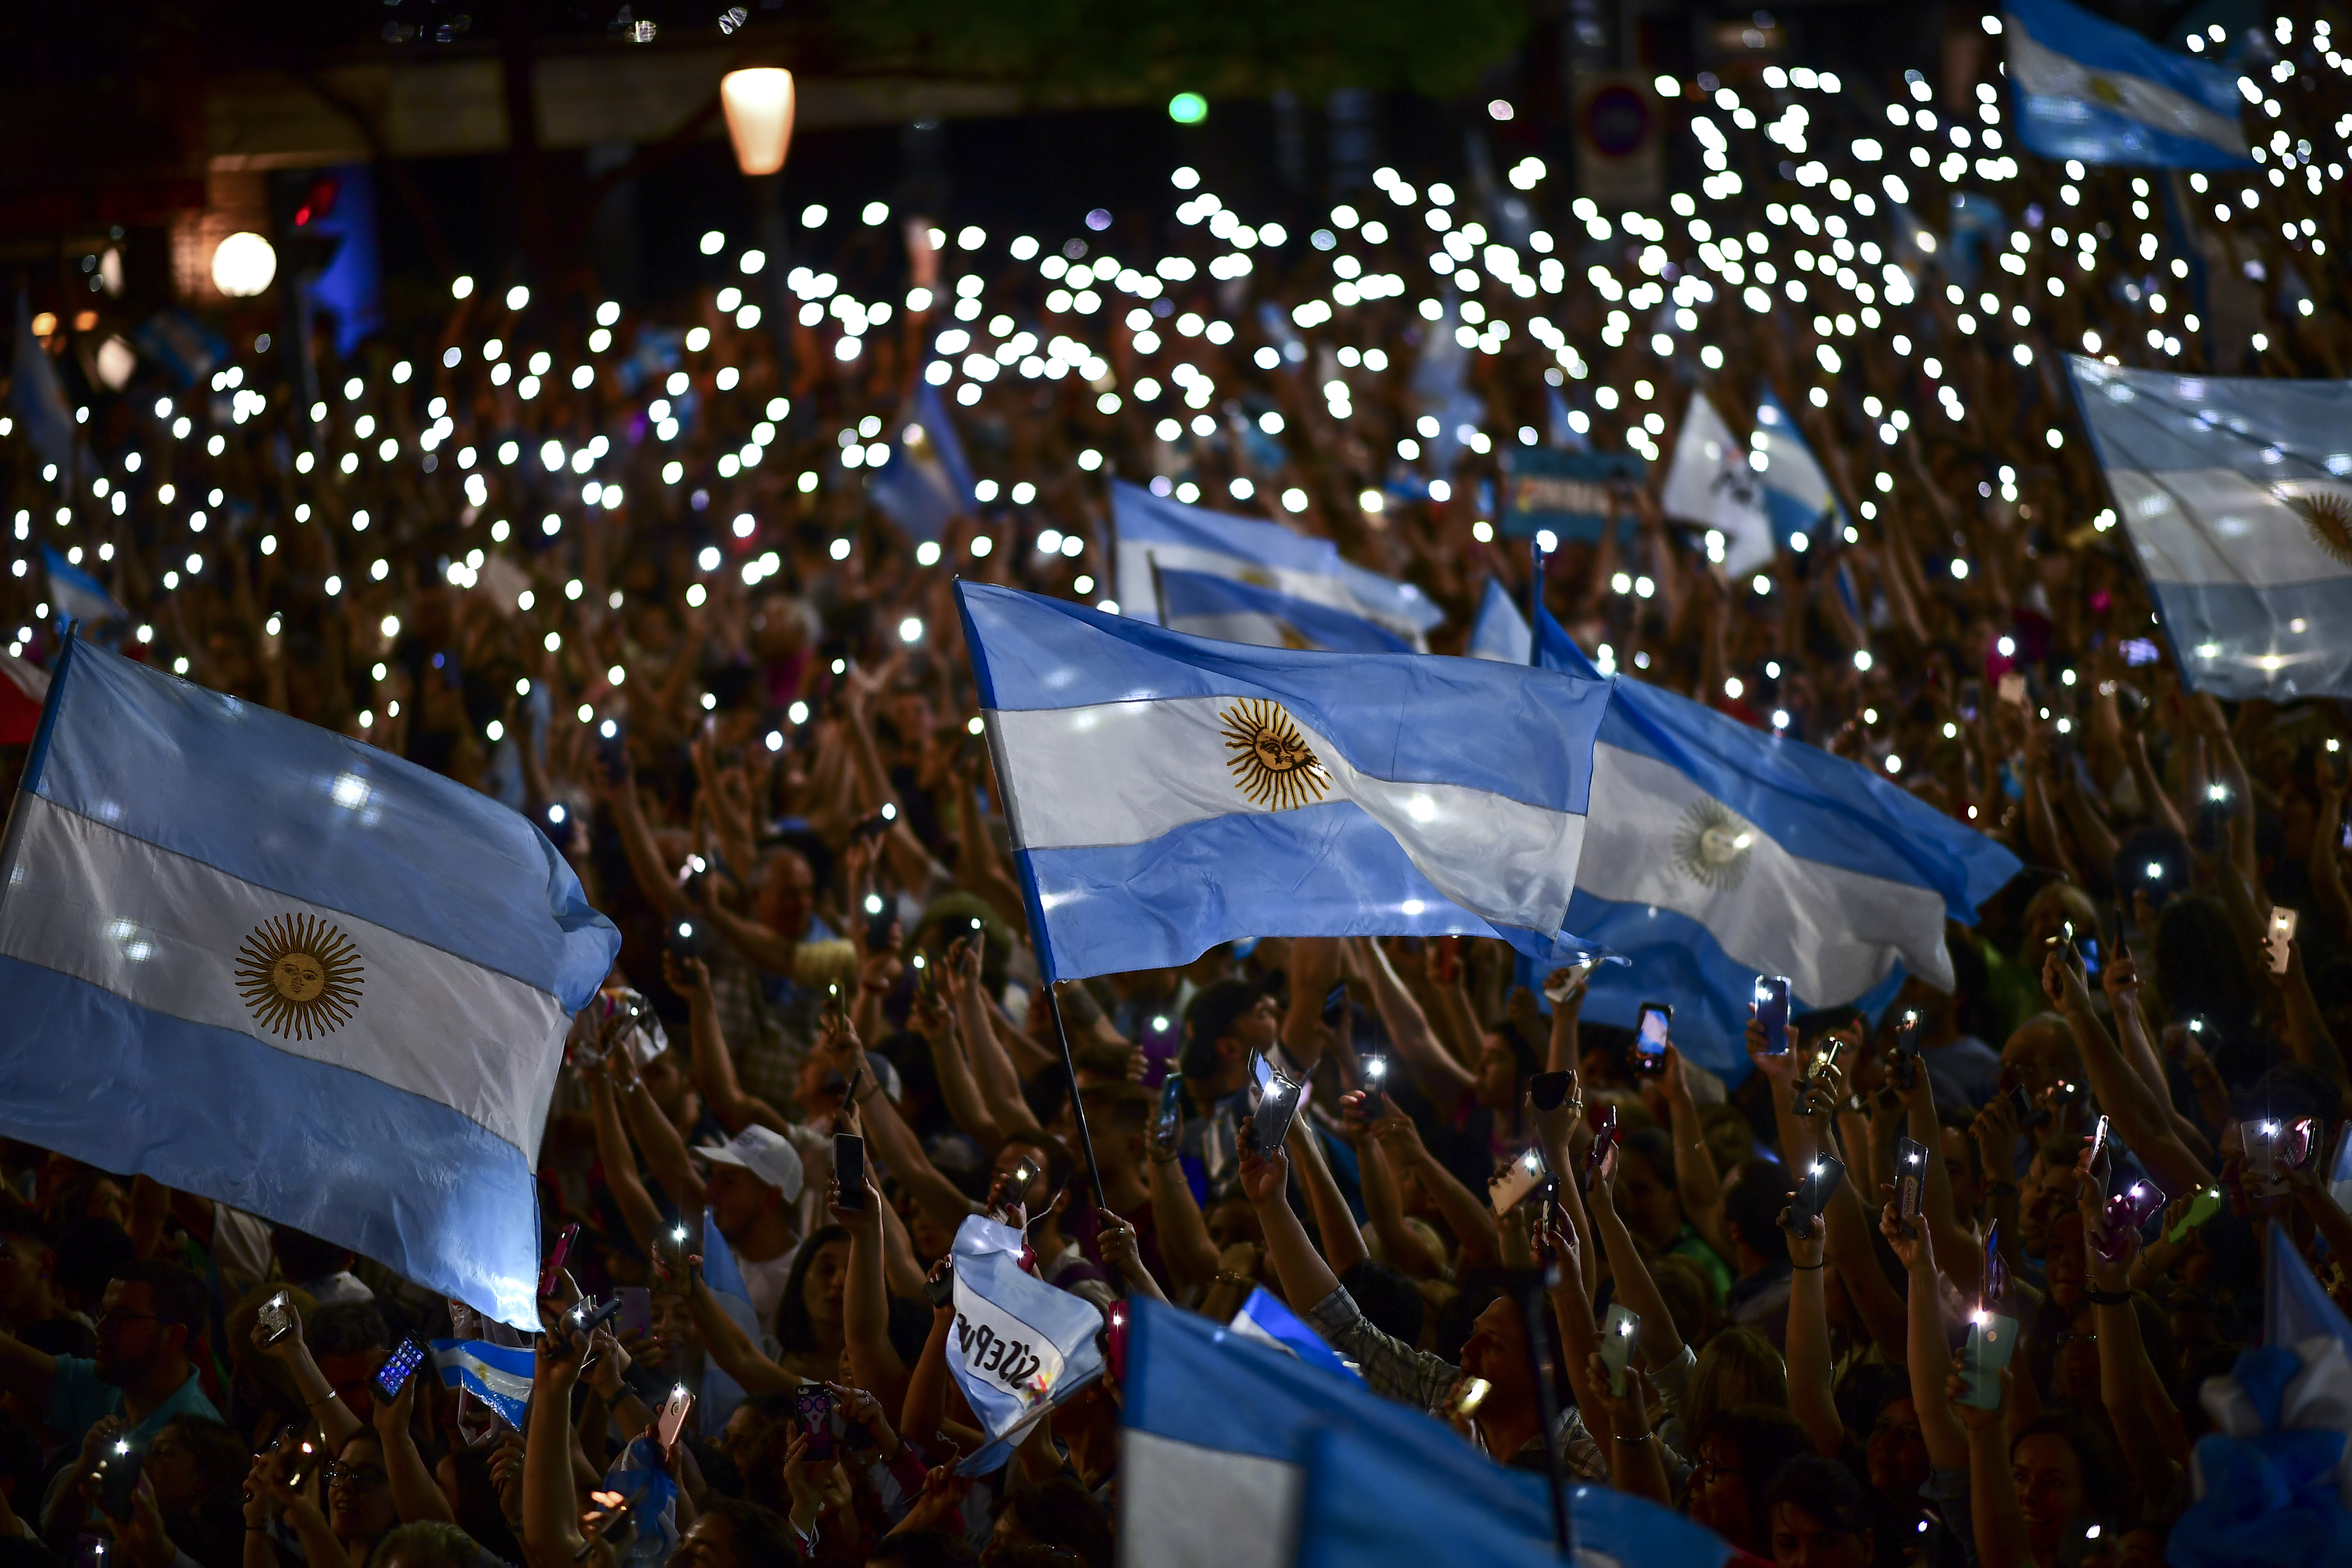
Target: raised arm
{"type": "Point", "coordinates": [714, 1068]}
{"type": "Point", "coordinates": [1696, 1177]}
{"type": "Point", "coordinates": [1930, 1362]}
{"type": "Point", "coordinates": [894, 1142]}
{"type": "Point", "coordinates": [873, 1363]}
{"type": "Point", "coordinates": [1811, 1400]}
{"type": "Point", "coordinates": [619, 1160]}
{"type": "Point", "coordinates": [1441, 1077]}
{"type": "Point", "coordinates": [2137, 1114]}
{"type": "Point", "coordinates": [551, 1529]}
{"type": "Point", "coordinates": [1343, 1241]}
{"type": "Point", "coordinates": [1660, 1343]}
{"type": "Point", "coordinates": [1184, 1244]}
{"type": "Point", "coordinates": [1465, 1213]}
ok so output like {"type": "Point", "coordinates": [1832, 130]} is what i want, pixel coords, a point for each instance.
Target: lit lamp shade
{"type": "Point", "coordinates": [243, 265]}
{"type": "Point", "coordinates": [759, 105]}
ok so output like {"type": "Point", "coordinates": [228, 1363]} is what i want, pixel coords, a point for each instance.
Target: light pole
{"type": "Point", "coordinates": [759, 103]}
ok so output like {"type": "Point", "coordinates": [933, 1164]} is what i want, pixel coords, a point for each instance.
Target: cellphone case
{"type": "Point", "coordinates": [1991, 1344]}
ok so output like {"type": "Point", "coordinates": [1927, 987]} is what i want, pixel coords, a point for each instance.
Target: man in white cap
{"type": "Point", "coordinates": [753, 1193]}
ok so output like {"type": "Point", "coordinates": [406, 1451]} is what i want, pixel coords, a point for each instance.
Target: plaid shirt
{"type": "Point", "coordinates": [1394, 1370]}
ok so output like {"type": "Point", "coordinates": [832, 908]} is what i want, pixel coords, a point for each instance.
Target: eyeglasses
{"type": "Point", "coordinates": [1708, 1469]}
{"type": "Point", "coordinates": [359, 1477]}
{"type": "Point", "coordinates": [2069, 1337]}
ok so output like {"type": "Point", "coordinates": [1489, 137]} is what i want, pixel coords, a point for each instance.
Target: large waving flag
{"type": "Point", "coordinates": [1228, 1443]}
{"type": "Point", "coordinates": [1202, 604]}
{"type": "Point", "coordinates": [260, 961]}
{"type": "Point", "coordinates": [1797, 495]}
{"type": "Point", "coordinates": [927, 483]}
{"type": "Point", "coordinates": [1265, 1319]}
{"type": "Point", "coordinates": [1020, 1346]}
{"type": "Point", "coordinates": [2237, 495]}
{"type": "Point", "coordinates": [1154, 530]}
{"type": "Point", "coordinates": [1711, 483]}
{"type": "Point", "coordinates": [1168, 792]}
{"type": "Point", "coordinates": [1500, 632]}
{"type": "Point", "coordinates": [1719, 853]}
{"type": "Point", "coordinates": [2092, 89]}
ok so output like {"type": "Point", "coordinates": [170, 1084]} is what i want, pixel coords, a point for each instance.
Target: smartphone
{"type": "Point", "coordinates": [1813, 1193]}
{"type": "Point", "coordinates": [849, 1170]}
{"type": "Point", "coordinates": [2213, 819]}
{"type": "Point", "coordinates": [2098, 1145]}
{"type": "Point", "coordinates": [2281, 932]}
{"type": "Point", "coordinates": [1557, 989]}
{"type": "Point", "coordinates": [2208, 1203]}
{"type": "Point", "coordinates": [615, 1522]}
{"type": "Point", "coordinates": [813, 1414]}
{"type": "Point", "coordinates": [557, 1255]}
{"type": "Point", "coordinates": [672, 1419]}
{"type": "Point", "coordinates": [1617, 1343]}
{"type": "Point", "coordinates": [1992, 1340]}
{"type": "Point", "coordinates": [612, 751]}
{"type": "Point", "coordinates": [878, 924]}
{"type": "Point", "coordinates": [1772, 1012]}
{"type": "Point", "coordinates": [1910, 1177]}
{"type": "Point", "coordinates": [1277, 1108]}
{"type": "Point", "coordinates": [876, 825]}
{"type": "Point", "coordinates": [277, 1317]}
{"type": "Point", "coordinates": [938, 1288]}
{"type": "Point", "coordinates": [1550, 1089]}
{"type": "Point", "coordinates": [90, 1552]}
{"type": "Point", "coordinates": [1514, 1181]}
{"type": "Point", "coordinates": [2012, 688]}
{"type": "Point", "coordinates": [118, 1482]}
{"type": "Point", "coordinates": [1604, 1138]}
{"type": "Point", "coordinates": [1996, 1270]}
{"type": "Point", "coordinates": [1467, 1395]}
{"type": "Point", "coordinates": [2303, 1135]}
{"type": "Point", "coordinates": [636, 1309]}
{"type": "Point", "coordinates": [685, 938]}
{"type": "Point", "coordinates": [1905, 1067]}
{"type": "Point", "coordinates": [587, 1317]}
{"type": "Point", "coordinates": [2125, 1213]}
{"type": "Point", "coordinates": [394, 1374]}
{"type": "Point", "coordinates": [2137, 651]}
{"type": "Point", "coordinates": [2262, 1140]}
{"type": "Point", "coordinates": [1168, 1126]}
{"type": "Point", "coordinates": [1650, 1036]}
{"type": "Point", "coordinates": [1376, 1084]}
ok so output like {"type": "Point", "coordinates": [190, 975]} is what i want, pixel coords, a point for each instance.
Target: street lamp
{"type": "Point", "coordinates": [758, 104]}
{"type": "Point", "coordinates": [244, 264]}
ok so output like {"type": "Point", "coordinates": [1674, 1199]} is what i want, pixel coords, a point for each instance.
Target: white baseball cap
{"type": "Point", "coordinates": [766, 1154]}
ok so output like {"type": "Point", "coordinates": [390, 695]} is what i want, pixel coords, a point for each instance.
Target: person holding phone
{"type": "Point", "coordinates": [149, 1322]}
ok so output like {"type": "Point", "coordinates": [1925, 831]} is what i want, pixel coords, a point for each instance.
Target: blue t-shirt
{"type": "Point", "coordinates": [78, 1396]}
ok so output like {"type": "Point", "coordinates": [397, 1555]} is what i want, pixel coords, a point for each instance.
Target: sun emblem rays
{"type": "Point", "coordinates": [1712, 845]}
{"type": "Point", "coordinates": [2328, 515]}
{"type": "Point", "coordinates": [1271, 762]}
{"type": "Point", "coordinates": [300, 976]}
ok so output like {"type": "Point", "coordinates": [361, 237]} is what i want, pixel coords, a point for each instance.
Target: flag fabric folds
{"type": "Point", "coordinates": [1797, 495]}
{"type": "Point", "coordinates": [1265, 1319]}
{"type": "Point", "coordinates": [1168, 792]}
{"type": "Point", "coordinates": [1212, 1415]}
{"type": "Point", "coordinates": [2236, 494]}
{"type": "Point", "coordinates": [497, 1376]}
{"type": "Point", "coordinates": [35, 397]}
{"type": "Point", "coordinates": [1719, 853]}
{"type": "Point", "coordinates": [1155, 530]}
{"type": "Point", "coordinates": [1710, 483]}
{"type": "Point", "coordinates": [1500, 632]}
{"type": "Point", "coordinates": [1202, 604]}
{"type": "Point", "coordinates": [75, 594]}
{"type": "Point", "coordinates": [1019, 1346]}
{"type": "Point", "coordinates": [263, 962]}
{"type": "Point", "coordinates": [925, 484]}
{"type": "Point", "coordinates": [2091, 90]}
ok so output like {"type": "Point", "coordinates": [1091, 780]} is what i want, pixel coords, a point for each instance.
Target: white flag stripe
{"type": "Point", "coordinates": [167, 933]}
{"type": "Point", "coordinates": [2045, 73]}
{"type": "Point", "coordinates": [2216, 525]}
{"type": "Point", "coordinates": [1138, 556]}
{"type": "Point", "coordinates": [1164, 1523]}
{"type": "Point", "coordinates": [1127, 772]}
{"type": "Point", "coordinates": [1784, 915]}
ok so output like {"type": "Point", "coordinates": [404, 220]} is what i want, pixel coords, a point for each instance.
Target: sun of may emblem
{"type": "Point", "coordinates": [2328, 515]}
{"type": "Point", "coordinates": [1272, 763]}
{"type": "Point", "coordinates": [300, 976]}
{"type": "Point", "coordinates": [1712, 846]}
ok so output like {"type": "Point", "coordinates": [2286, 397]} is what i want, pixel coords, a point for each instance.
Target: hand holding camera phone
{"type": "Point", "coordinates": [1910, 1179]}
{"type": "Point", "coordinates": [1651, 1033]}
{"type": "Point", "coordinates": [2276, 938]}
{"type": "Point", "coordinates": [1812, 1196]}
{"type": "Point", "coordinates": [813, 1416]}
{"type": "Point", "coordinates": [849, 1171]}
{"type": "Point", "coordinates": [398, 1367]}
{"type": "Point", "coordinates": [1617, 1344]}
{"type": "Point", "coordinates": [1513, 1182]}
{"type": "Point", "coordinates": [276, 1318]}
{"type": "Point", "coordinates": [1906, 1067]}
{"type": "Point", "coordinates": [672, 1419]}
{"type": "Point", "coordinates": [1772, 1012]}
{"type": "Point", "coordinates": [2121, 1220]}
{"type": "Point", "coordinates": [1277, 1107]}
{"type": "Point", "coordinates": [1168, 1123]}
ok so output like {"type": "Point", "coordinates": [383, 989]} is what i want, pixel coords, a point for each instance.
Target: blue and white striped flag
{"type": "Point", "coordinates": [260, 961]}
{"type": "Point", "coordinates": [1202, 604]}
{"type": "Point", "coordinates": [2236, 494]}
{"type": "Point", "coordinates": [1225, 1449]}
{"type": "Point", "coordinates": [497, 1376]}
{"type": "Point", "coordinates": [1265, 1319]}
{"type": "Point", "coordinates": [639, 1476]}
{"type": "Point", "coordinates": [1153, 530]}
{"type": "Point", "coordinates": [926, 484]}
{"type": "Point", "coordinates": [2091, 90]}
{"type": "Point", "coordinates": [1719, 853]}
{"type": "Point", "coordinates": [1168, 792]}
{"type": "Point", "coordinates": [75, 594]}
{"type": "Point", "coordinates": [1711, 483]}
{"type": "Point", "coordinates": [1500, 632]}
{"type": "Point", "coordinates": [1019, 1346]}
{"type": "Point", "coordinates": [1797, 495]}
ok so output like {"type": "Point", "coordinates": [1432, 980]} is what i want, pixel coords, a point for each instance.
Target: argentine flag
{"type": "Point", "coordinates": [1228, 1444]}
{"type": "Point", "coordinates": [1797, 495]}
{"type": "Point", "coordinates": [260, 961]}
{"type": "Point", "coordinates": [1202, 604]}
{"type": "Point", "coordinates": [75, 594]}
{"type": "Point", "coordinates": [1719, 853]}
{"type": "Point", "coordinates": [497, 1376]}
{"type": "Point", "coordinates": [1500, 632]}
{"type": "Point", "coordinates": [1019, 1346]}
{"type": "Point", "coordinates": [1265, 1319]}
{"type": "Point", "coordinates": [2090, 89]}
{"type": "Point", "coordinates": [927, 483]}
{"type": "Point", "coordinates": [1168, 792]}
{"type": "Point", "coordinates": [1711, 483]}
{"type": "Point", "coordinates": [1154, 530]}
{"type": "Point", "coordinates": [2236, 494]}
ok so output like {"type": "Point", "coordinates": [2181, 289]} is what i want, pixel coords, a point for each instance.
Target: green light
{"type": "Point", "coordinates": [1188, 109]}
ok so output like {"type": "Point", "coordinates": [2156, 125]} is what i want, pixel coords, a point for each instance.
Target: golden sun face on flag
{"type": "Point", "coordinates": [2328, 515]}
{"type": "Point", "coordinates": [1272, 763]}
{"type": "Point", "coordinates": [1711, 845]}
{"type": "Point", "coordinates": [300, 977]}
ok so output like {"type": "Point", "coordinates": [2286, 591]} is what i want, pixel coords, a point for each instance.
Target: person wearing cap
{"type": "Point", "coordinates": [753, 1193]}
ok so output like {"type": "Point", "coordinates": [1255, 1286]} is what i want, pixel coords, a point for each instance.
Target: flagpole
{"type": "Point", "coordinates": [1159, 589]}
{"type": "Point", "coordinates": [1535, 603]}
{"type": "Point", "coordinates": [1533, 1307]}
{"type": "Point", "coordinates": [1069, 1065]}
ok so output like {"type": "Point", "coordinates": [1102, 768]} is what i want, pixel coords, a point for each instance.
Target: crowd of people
{"type": "Point", "coordinates": [628, 577]}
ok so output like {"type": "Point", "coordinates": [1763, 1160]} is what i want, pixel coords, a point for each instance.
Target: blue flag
{"type": "Point", "coordinates": [259, 960]}
{"type": "Point", "coordinates": [1719, 853]}
{"type": "Point", "coordinates": [2092, 89]}
{"type": "Point", "coordinates": [497, 1376]}
{"type": "Point", "coordinates": [926, 484]}
{"type": "Point", "coordinates": [1223, 1449]}
{"type": "Point", "coordinates": [1155, 530]}
{"type": "Point", "coordinates": [1020, 1346]}
{"type": "Point", "coordinates": [1500, 632]}
{"type": "Point", "coordinates": [1205, 605]}
{"type": "Point", "coordinates": [2236, 494]}
{"type": "Point", "coordinates": [36, 397]}
{"type": "Point", "coordinates": [2295, 1306]}
{"type": "Point", "coordinates": [1168, 792]}
{"type": "Point", "coordinates": [75, 594]}
{"type": "Point", "coordinates": [1265, 1319]}
{"type": "Point", "coordinates": [1797, 494]}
